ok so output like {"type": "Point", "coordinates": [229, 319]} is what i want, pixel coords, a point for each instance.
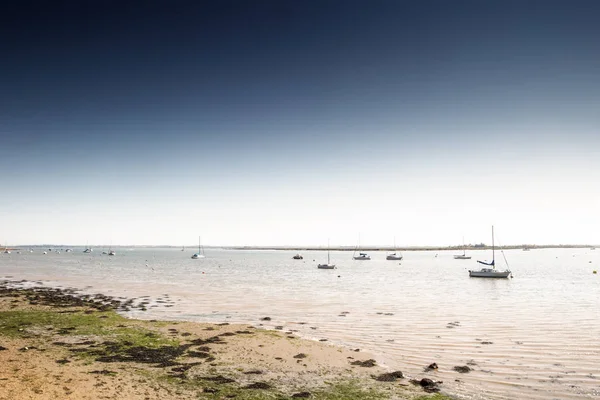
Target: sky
{"type": "Point", "coordinates": [294, 122]}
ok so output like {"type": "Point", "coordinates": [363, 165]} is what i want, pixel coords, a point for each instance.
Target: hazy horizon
{"type": "Point", "coordinates": [285, 122]}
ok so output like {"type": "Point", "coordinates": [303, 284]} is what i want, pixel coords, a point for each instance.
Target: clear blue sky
{"type": "Point", "coordinates": [287, 122]}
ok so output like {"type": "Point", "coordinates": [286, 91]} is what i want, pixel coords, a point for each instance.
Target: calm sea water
{"type": "Point", "coordinates": [536, 336]}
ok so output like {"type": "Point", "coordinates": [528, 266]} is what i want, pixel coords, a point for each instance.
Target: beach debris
{"type": "Point", "coordinates": [279, 327]}
{"type": "Point", "coordinates": [210, 390]}
{"type": "Point", "coordinates": [302, 395]}
{"type": "Point", "coordinates": [300, 355]}
{"type": "Point", "coordinates": [63, 361]}
{"type": "Point", "coordinates": [103, 372]}
{"type": "Point", "coordinates": [430, 367]}
{"type": "Point", "coordinates": [389, 376]}
{"type": "Point", "coordinates": [3, 348]}
{"type": "Point", "coordinates": [463, 369]}
{"type": "Point", "coordinates": [367, 363]}
{"type": "Point", "coordinates": [218, 379]}
{"type": "Point", "coordinates": [487, 342]}
{"type": "Point", "coordinates": [453, 324]}
{"type": "Point", "coordinates": [198, 354]}
{"type": "Point", "coordinates": [258, 385]}
{"type": "Point", "coordinates": [254, 372]}
{"type": "Point", "coordinates": [471, 362]}
{"type": "Point", "coordinates": [265, 319]}
{"type": "Point", "coordinates": [322, 340]}
{"type": "Point", "coordinates": [427, 384]}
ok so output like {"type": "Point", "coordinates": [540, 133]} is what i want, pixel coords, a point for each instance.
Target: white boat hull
{"type": "Point", "coordinates": [362, 257]}
{"type": "Point", "coordinates": [326, 266]}
{"type": "Point", "coordinates": [489, 273]}
{"type": "Point", "coordinates": [197, 256]}
{"type": "Point", "coordinates": [393, 257]}
{"type": "Point", "coordinates": [460, 257]}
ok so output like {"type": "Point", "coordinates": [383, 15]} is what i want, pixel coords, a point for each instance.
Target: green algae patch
{"type": "Point", "coordinates": [20, 323]}
{"type": "Point", "coordinates": [436, 396]}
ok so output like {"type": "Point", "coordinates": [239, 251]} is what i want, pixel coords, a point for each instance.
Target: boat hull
{"type": "Point", "coordinates": [197, 256]}
{"type": "Point", "coordinates": [393, 257]}
{"type": "Point", "coordinates": [489, 274]}
{"type": "Point", "coordinates": [326, 266]}
{"type": "Point", "coordinates": [364, 258]}
{"type": "Point", "coordinates": [459, 257]}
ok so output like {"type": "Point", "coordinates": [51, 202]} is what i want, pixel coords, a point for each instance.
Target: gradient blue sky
{"type": "Point", "coordinates": [290, 122]}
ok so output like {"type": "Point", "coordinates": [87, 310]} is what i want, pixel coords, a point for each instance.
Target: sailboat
{"type": "Point", "coordinates": [360, 256]}
{"type": "Point", "coordinates": [183, 248]}
{"type": "Point", "coordinates": [200, 253]}
{"type": "Point", "coordinates": [464, 255]}
{"type": "Point", "coordinates": [394, 255]}
{"type": "Point", "coordinates": [328, 265]}
{"type": "Point", "coordinates": [87, 249]}
{"type": "Point", "coordinates": [6, 250]}
{"type": "Point", "coordinates": [490, 272]}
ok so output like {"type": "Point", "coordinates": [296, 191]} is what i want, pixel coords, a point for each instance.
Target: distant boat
{"type": "Point", "coordinates": [394, 255]}
{"type": "Point", "coordinates": [490, 272]}
{"type": "Point", "coordinates": [200, 253]}
{"type": "Point", "coordinates": [183, 248]}
{"type": "Point", "coordinates": [464, 255]}
{"type": "Point", "coordinates": [298, 257]}
{"type": "Point", "coordinates": [592, 248]}
{"type": "Point", "coordinates": [6, 251]}
{"type": "Point", "coordinates": [88, 250]}
{"type": "Point", "coordinates": [328, 265]}
{"type": "Point", "coordinates": [360, 256]}
{"type": "Point", "coordinates": [111, 253]}
{"type": "Point", "coordinates": [526, 249]}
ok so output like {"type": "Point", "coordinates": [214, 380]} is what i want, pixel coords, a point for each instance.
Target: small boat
{"type": "Point", "coordinates": [328, 265]}
{"type": "Point", "coordinates": [298, 257]}
{"type": "Point", "coordinates": [592, 248]}
{"type": "Point", "coordinates": [394, 255]}
{"type": "Point", "coordinates": [200, 253]}
{"type": "Point", "coordinates": [490, 272]}
{"type": "Point", "coordinates": [88, 250]}
{"type": "Point", "coordinates": [111, 253]}
{"type": "Point", "coordinates": [526, 249]}
{"type": "Point", "coordinates": [360, 256]}
{"type": "Point", "coordinates": [464, 255]}
{"type": "Point", "coordinates": [183, 248]}
{"type": "Point", "coordinates": [68, 250]}
{"type": "Point", "coordinates": [6, 251]}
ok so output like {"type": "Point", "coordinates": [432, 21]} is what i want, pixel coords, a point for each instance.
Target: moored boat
{"type": "Point", "coordinates": [487, 272]}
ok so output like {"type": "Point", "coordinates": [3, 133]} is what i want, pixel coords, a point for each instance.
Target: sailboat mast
{"type": "Point", "coordinates": [328, 252]}
{"type": "Point", "coordinates": [464, 249]}
{"type": "Point", "coordinates": [199, 241]}
{"type": "Point", "coordinates": [493, 248]}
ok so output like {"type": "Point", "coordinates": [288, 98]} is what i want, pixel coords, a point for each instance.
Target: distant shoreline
{"type": "Point", "coordinates": [321, 248]}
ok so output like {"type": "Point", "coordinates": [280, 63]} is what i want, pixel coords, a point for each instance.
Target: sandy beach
{"type": "Point", "coordinates": [56, 345]}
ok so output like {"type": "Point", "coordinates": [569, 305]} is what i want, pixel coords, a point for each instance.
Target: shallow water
{"type": "Point", "coordinates": [534, 336]}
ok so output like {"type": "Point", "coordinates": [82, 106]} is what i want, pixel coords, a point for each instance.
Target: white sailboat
{"type": "Point", "coordinates": [464, 255]}
{"type": "Point", "coordinates": [200, 253]}
{"type": "Point", "coordinates": [394, 255]}
{"type": "Point", "coordinates": [490, 272]}
{"type": "Point", "coordinates": [6, 250]}
{"type": "Point", "coordinates": [328, 265]}
{"type": "Point", "coordinates": [360, 256]}
{"type": "Point", "coordinates": [87, 249]}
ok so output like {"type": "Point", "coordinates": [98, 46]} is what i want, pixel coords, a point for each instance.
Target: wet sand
{"type": "Point", "coordinates": [56, 344]}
